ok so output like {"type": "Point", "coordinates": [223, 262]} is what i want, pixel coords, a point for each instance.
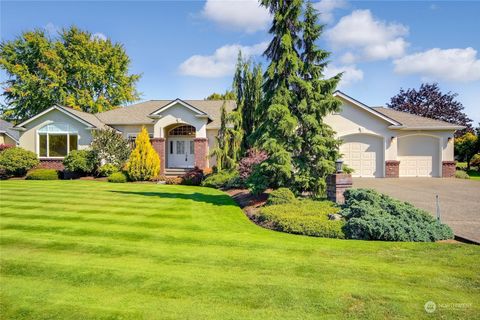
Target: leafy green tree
{"type": "Point", "coordinates": [276, 133]}
{"type": "Point", "coordinates": [318, 149]}
{"type": "Point", "coordinates": [467, 146]}
{"type": "Point", "coordinates": [111, 147]}
{"type": "Point", "coordinates": [73, 69]}
{"type": "Point", "coordinates": [228, 95]}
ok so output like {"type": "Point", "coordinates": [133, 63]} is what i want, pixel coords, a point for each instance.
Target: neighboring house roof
{"type": "Point", "coordinates": [141, 113]}
{"type": "Point", "coordinates": [410, 121]}
{"type": "Point", "coordinates": [6, 128]}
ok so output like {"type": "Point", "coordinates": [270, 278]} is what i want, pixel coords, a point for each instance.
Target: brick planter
{"type": "Point", "coordinates": [336, 185]}
{"type": "Point", "coordinates": [392, 169]}
{"type": "Point", "coordinates": [56, 164]}
{"type": "Point", "coordinates": [159, 145]}
{"type": "Point", "coordinates": [448, 169]}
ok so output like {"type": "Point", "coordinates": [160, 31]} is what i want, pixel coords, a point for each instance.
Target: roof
{"type": "Point", "coordinates": [88, 117]}
{"type": "Point", "coordinates": [411, 121]}
{"type": "Point", "coordinates": [6, 128]}
{"type": "Point", "coordinates": [140, 113]}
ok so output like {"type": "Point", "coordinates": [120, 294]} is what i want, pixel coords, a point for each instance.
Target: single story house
{"type": "Point", "coordinates": [377, 142]}
{"type": "Point", "coordinates": [8, 136]}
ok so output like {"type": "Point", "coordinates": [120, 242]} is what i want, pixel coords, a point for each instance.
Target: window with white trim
{"type": "Point", "coordinates": [56, 140]}
{"type": "Point", "coordinates": [131, 137]}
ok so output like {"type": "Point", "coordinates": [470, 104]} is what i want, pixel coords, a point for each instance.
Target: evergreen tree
{"type": "Point", "coordinates": [222, 150]}
{"type": "Point", "coordinates": [144, 163]}
{"type": "Point", "coordinates": [276, 133]}
{"type": "Point", "coordinates": [318, 149]}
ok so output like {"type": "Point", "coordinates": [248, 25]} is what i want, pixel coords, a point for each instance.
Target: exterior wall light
{"type": "Point", "coordinates": [339, 165]}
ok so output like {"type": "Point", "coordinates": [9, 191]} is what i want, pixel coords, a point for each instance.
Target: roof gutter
{"type": "Point", "coordinates": [401, 127]}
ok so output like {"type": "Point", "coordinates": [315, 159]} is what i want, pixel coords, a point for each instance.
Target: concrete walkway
{"type": "Point", "coordinates": [459, 199]}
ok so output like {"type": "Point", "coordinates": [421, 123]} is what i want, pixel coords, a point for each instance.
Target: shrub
{"type": "Point", "coordinates": [173, 180]}
{"type": "Point", "coordinates": [305, 217]}
{"type": "Point", "coordinates": [16, 161]}
{"type": "Point", "coordinates": [459, 174]}
{"type": "Point", "coordinates": [461, 166]}
{"type": "Point", "coordinates": [225, 179]}
{"type": "Point", "coordinates": [111, 147]}
{"type": "Point", "coordinates": [144, 163]}
{"type": "Point", "coordinates": [207, 171]}
{"type": "Point", "coordinates": [5, 146]}
{"type": "Point", "coordinates": [281, 196]}
{"type": "Point", "coordinates": [374, 216]}
{"type": "Point", "coordinates": [107, 169]}
{"type": "Point", "coordinates": [253, 158]}
{"type": "Point", "coordinates": [193, 177]}
{"type": "Point", "coordinates": [117, 177]}
{"type": "Point", "coordinates": [475, 162]}
{"type": "Point", "coordinates": [42, 174]}
{"type": "Point", "coordinates": [81, 161]}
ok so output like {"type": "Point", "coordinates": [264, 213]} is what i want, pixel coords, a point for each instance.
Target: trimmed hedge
{"type": "Point", "coordinates": [81, 161]}
{"type": "Point", "coordinates": [42, 174]}
{"type": "Point", "coordinates": [281, 196]}
{"type": "Point", "coordinates": [460, 174]}
{"type": "Point", "coordinates": [374, 216]}
{"type": "Point", "coordinates": [17, 161]}
{"type": "Point", "coordinates": [306, 217]}
{"type": "Point", "coordinates": [223, 180]}
{"type": "Point", "coordinates": [117, 177]}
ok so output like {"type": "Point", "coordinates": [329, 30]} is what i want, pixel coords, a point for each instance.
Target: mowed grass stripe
{"type": "Point", "coordinates": [148, 251]}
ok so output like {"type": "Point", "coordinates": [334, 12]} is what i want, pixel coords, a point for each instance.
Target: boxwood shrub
{"type": "Point", "coordinates": [17, 161]}
{"type": "Point", "coordinates": [306, 217]}
{"type": "Point", "coordinates": [374, 216]}
{"type": "Point", "coordinates": [81, 161]}
{"type": "Point", "coordinates": [42, 174]}
{"type": "Point", "coordinates": [117, 177]}
{"type": "Point", "coordinates": [281, 196]}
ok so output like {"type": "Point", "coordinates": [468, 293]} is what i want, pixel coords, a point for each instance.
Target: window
{"type": "Point", "coordinates": [132, 136]}
{"type": "Point", "coordinates": [192, 147]}
{"type": "Point", "coordinates": [56, 140]}
{"type": "Point", "coordinates": [180, 147]}
{"type": "Point", "coordinates": [184, 130]}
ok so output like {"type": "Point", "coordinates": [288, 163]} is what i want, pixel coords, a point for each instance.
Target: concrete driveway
{"type": "Point", "coordinates": [459, 199]}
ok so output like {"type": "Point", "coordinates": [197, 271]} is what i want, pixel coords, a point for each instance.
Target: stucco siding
{"type": "Point", "coordinates": [180, 114]}
{"type": "Point", "coordinates": [28, 138]}
{"type": "Point", "coordinates": [4, 139]}
{"type": "Point", "coordinates": [127, 130]}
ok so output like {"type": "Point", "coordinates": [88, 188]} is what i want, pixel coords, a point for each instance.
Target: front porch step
{"type": "Point", "coordinates": [175, 172]}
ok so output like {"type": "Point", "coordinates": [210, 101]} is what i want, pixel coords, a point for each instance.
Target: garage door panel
{"type": "Point", "coordinates": [362, 153]}
{"type": "Point", "coordinates": [418, 156]}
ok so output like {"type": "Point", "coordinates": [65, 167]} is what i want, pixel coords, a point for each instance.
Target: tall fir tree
{"type": "Point", "coordinates": [318, 150]}
{"type": "Point", "coordinates": [276, 133]}
{"type": "Point", "coordinates": [222, 146]}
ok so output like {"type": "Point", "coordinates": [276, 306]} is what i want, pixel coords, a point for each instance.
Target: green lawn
{"type": "Point", "coordinates": [474, 175]}
{"type": "Point", "coordinates": [86, 249]}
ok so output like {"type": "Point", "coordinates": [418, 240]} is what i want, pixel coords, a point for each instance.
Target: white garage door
{"type": "Point", "coordinates": [418, 156]}
{"type": "Point", "coordinates": [362, 153]}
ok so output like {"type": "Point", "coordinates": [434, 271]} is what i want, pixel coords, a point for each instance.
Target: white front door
{"type": "Point", "coordinates": [181, 152]}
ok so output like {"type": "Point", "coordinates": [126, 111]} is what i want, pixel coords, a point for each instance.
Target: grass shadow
{"type": "Point", "coordinates": [218, 200]}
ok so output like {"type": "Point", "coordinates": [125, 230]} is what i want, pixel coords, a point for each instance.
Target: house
{"type": "Point", "coordinates": [8, 136]}
{"type": "Point", "coordinates": [377, 142]}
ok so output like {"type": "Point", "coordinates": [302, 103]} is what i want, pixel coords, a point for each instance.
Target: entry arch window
{"type": "Point", "coordinates": [183, 130]}
{"type": "Point", "coordinates": [56, 140]}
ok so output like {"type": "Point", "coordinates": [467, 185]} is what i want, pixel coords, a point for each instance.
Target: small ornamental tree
{"type": "Point", "coordinates": [247, 164]}
{"type": "Point", "coordinates": [111, 147]}
{"type": "Point", "coordinates": [144, 163]}
{"type": "Point", "coordinates": [466, 147]}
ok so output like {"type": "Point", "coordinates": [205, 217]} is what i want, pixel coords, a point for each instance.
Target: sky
{"type": "Point", "coordinates": [188, 49]}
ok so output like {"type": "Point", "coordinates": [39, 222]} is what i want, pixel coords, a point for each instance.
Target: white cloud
{"type": "Point", "coordinates": [246, 15]}
{"type": "Point", "coordinates": [326, 8]}
{"type": "Point", "coordinates": [221, 63]}
{"type": "Point", "coordinates": [459, 65]}
{"type": "Point", "coordinates": [371, 39]}
{"type": "Point", "coordinates": [99, 36]}
{"type": "Point", "coordinates": [351, 74]}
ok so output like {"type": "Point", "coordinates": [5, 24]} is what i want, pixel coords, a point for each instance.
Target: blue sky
{"type": "Point", "coordinates": [187, 49]}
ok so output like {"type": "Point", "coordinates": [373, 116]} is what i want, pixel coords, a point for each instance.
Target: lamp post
{"type": "Point", "coordinates": [339, 165]}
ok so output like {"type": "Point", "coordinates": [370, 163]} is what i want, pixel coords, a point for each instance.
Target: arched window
{"type": "Point", "coordinates": [56, 140]}
{"type": "Point", "coordinates": [184, 130]}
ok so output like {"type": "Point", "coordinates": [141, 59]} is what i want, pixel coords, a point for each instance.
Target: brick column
{"type": "Point", "coordinates": [201, 152]}
{"type": "Point", "coordinates": [159, 145]}
{"type": "Point", "coordinates": [337, 183]}
{"type": "Point", "coordinates": [392, 169]}
{"type": "Point", "coordinates": [448, 169]}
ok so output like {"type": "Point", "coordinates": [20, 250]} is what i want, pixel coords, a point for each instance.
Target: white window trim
{"type": "Point", "coordinates": [48, 143]}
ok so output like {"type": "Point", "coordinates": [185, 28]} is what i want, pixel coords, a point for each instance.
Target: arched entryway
{"type": "Point", "coordinates": [181, 146]}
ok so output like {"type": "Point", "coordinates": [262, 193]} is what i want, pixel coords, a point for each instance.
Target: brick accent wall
{"type": "Point", "coordinates": [392, 169]}
{"type": "Point", "coordinates": [448, 169]}
{"type": "Point", "coordinates": [336, 185]}
{"type": "Point", "coordinates": [201, 152]}
{"type": "Point", "coordinates": [159, 145]}
{"type": "Point", "coordinates": [56, 164]}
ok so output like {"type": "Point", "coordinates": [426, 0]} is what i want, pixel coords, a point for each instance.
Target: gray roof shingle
{"type": "Point", "coordinates": [6, 127]}
{"type": "Point", "coordinates": [413, 121]}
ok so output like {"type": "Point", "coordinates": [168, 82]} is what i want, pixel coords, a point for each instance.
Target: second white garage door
{"type": "Point", "coordinates": [363, 153]}
{"type": "Point", "coordinates": [418, 156]}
